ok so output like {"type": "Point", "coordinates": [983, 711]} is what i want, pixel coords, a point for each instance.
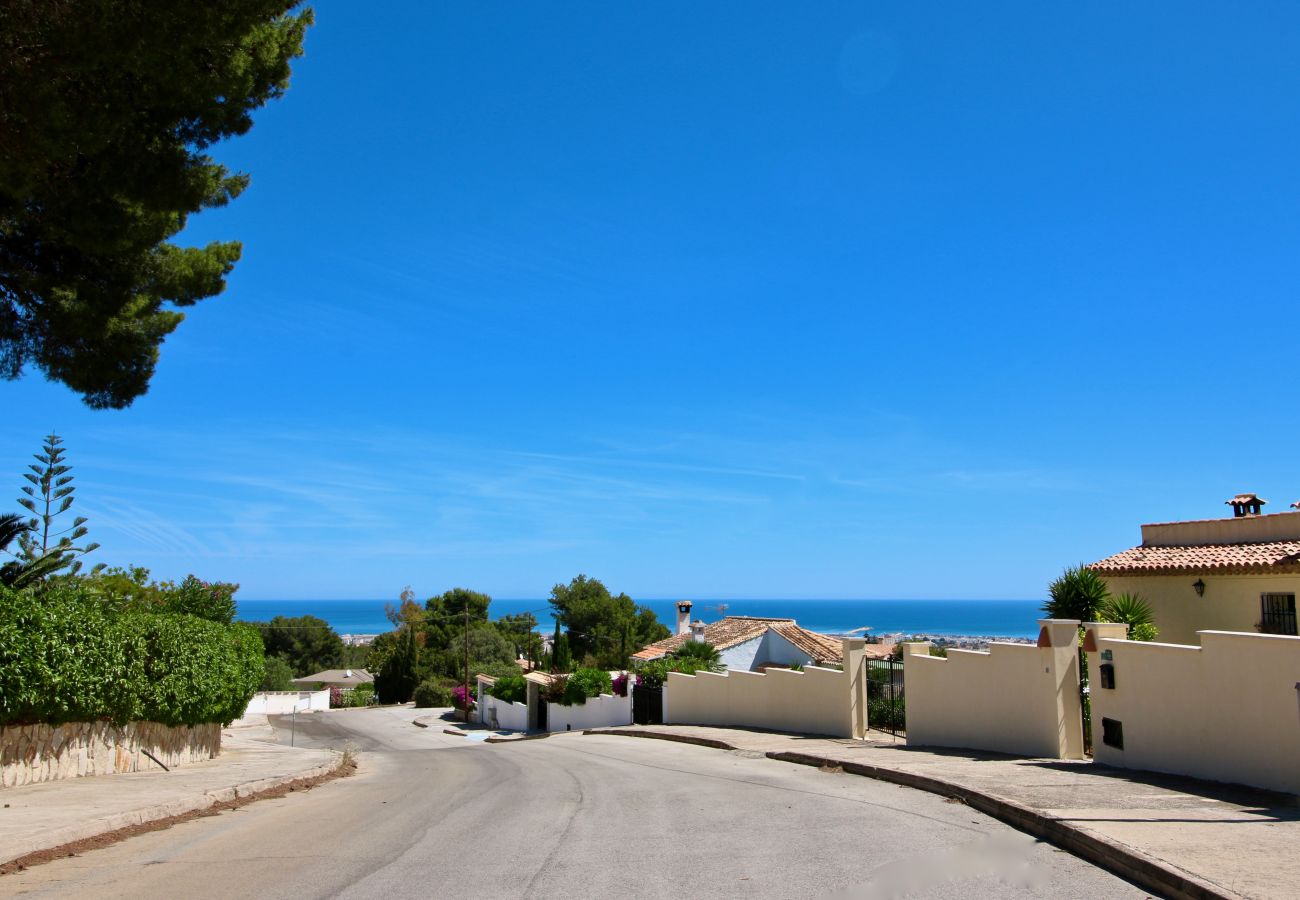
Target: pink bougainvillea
{"type": "Point", "coordinates": [336, 697]}
{"type": "Point", "coordinates": [620, 684]}
{"type": "Point", "coordinates": [458, 695]}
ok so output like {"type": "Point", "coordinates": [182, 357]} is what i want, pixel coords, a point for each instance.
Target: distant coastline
{"type": "Point", "coordinates": [956, 620]}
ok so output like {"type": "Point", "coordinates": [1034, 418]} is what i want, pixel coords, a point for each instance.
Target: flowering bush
{"type": "Point", "coordinates": [462, 699]}
{"type": "Point", "coordinates": [336, 697]}
{"type": "Point", "coordinates": [620, 684]}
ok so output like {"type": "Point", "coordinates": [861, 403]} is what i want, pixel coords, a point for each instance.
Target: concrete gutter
{"type": "Point", "coordinates": [1144, 871]}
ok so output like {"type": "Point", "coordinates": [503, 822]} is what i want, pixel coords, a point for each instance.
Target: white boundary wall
{"type": "Point", "coordinates": [508, 716]}
{"type": "Point", "coordinates": [814, 701]}
{"type": "Point", "coordinates": [1228, 710]}
{"type": "Point", "coordinates": [282, 703]}
{"type": "Point", "coordinates": [1013, 698]}
{"type": "Point", "coordinates": [604, 711]}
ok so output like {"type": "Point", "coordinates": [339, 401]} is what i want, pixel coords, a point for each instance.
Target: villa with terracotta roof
{"type": "Point", "coordinates": [1231, 574]}
{"type": "Point", "coordinates": [749, 642]}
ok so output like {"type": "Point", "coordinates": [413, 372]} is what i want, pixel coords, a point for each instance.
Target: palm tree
{"type": "Point", "coordinates": [701, 654]}
{"type": "Point", "coordinates": [1077, 594]}
{"type": "Point", "coordinates": [1133, 611]}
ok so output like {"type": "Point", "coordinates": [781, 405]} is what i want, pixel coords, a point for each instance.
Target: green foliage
{"type": "Point", "coordinates": [432, 693]}
{"type": "Point", "coordinates": [584, 684]}
{"type": "Point", "coordinates": [44, 547]}
{"type": "Point", "coordinates": [511, 689]}
{"type": "Point", "coordinates": [603, 626]}
{"type": "Point", "coordinates": [554, 692]}
{"type": "Point", "coordinates": [561, 657]}
{"type": "Point", "coordinates": [446, 614]}
{"type": "Point", "coordinates": [213, 601]}
{"type": "Point", "coordinates": [361, 695]}
{"type": "Point", "coordinates": [395, 682]}
{"type": "Point", "coordinates": [1077, 594]}
{"type": "Point", "coordinates": [306, 643]}
{"type": "Point", "coordinates": [107, 111]}
{"type": "Point", "coordinates": [65, 657]}
{"type": "Point", "coordinates": [1133, 611]}
{"type": "Point", "coordinates": [887, 713]}
{"type": "Point", "coordinates": [700, 656]}
{"type": "Point", "coordinates": [278, 677]}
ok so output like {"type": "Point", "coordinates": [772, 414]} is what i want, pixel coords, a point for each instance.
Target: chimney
{"type": "Point", "coordinates": [697, 630]}
{"type": "Point", "coordinates": [1245, 505]}
{"type": "Point", "coordinates": [683, 617]}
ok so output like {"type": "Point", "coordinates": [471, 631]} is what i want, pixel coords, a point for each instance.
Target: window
{"type": "Point", "coordinates": [1277, 613]}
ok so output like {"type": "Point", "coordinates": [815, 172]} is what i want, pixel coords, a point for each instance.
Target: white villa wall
{"type": "Point", "coordinates": [742, 656]}
{"type": "Point", "coordinates": [814, 701]}
{"type": "Point", "coordinates": [1228, 710]}
{"type": "Point", "coordinates": [1012, 698]}
{"type": "Point", "coordinates": [282, 703]}
{"type": "Point", "coordinates": [777, 650]}
{"type": "Point", "coordinates": [508, 716]}
{"type": "Point", "coordinates": [769, 647]}
{"type": "Point", "coordinates": [604, 711]}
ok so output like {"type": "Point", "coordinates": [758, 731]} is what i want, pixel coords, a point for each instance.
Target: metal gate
{"type": "Point", "coordinates": [886, 703]}
{"type": "Point", "coordinates": [647, 705]}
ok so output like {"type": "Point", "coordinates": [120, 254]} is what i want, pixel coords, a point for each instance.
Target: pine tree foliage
{"type": "Point", "coordinates": [107, 111]}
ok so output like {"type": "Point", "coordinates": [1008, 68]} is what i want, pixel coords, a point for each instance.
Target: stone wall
{"type": "Point", "coordinates": [35, 753]}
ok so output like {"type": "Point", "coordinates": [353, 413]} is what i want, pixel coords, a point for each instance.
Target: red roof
{"type": "Point", "coordinates": [1223, 559]}
{"type": "Point", "coordinates": [734, 630]}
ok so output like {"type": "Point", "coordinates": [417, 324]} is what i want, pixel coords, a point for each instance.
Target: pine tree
{"type": "Point", "coordinates": [44, 549]}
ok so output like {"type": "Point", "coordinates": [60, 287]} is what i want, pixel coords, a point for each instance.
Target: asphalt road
{"type": "Point", "coordinates": [432, 815]}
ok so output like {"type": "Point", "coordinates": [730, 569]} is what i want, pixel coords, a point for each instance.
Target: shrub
{"type": "Point", "coordinates": [554, 692]}
{"type": "Point", "coordinates": [584, 684]}
{"type": "Point", "coordinates": [279, 675]}
{"type": "Point", "coordinates": [336, 697]}
{"type": "Point", "coordinates": [511, 689]}
{"type": "Point", "coordinates": [432, 693]}
{"type": "Point", "coordinates": [361, 695]}
{"type": "Point", "coordinates": [886, 713]}
{"type": "Point", "coordinates": [620, 684]}
{"type": "Point", "coordinates": [64, 658]}
{"type": "Point", "coordinates": [461, 698]}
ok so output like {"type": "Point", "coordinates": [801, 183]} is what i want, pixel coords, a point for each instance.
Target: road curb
{"type": "Point", "coordinates": [1115, 857]}
{"type": "Point", "coordinates": [105, 824]}
{"type": "Point", "coordinates": [662, 736]}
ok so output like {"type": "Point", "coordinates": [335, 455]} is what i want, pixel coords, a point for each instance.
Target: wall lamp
{"type": "Point", "coordinates": [1199, 586]}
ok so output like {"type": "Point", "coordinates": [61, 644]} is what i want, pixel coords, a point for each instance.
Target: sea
{"type": "Point", "coordinates": [970, 618]}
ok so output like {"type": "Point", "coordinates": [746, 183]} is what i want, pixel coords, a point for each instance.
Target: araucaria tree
{"type": "Point", "coordinates": [107, 109]}
{"type": "Point", "coordinates": [45, 547]}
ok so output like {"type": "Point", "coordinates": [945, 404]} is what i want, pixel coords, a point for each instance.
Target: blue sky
{"type": "Point", "coordinates": [727, 299]}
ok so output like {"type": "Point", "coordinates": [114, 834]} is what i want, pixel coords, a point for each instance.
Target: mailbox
{"type": "Point", "coordinates": [1107, 676]}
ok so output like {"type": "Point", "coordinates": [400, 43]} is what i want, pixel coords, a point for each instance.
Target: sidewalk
{"type": "Point", "coordinates": [43, 816]}
{"type": "Point", "coordinates": [1175, 836]}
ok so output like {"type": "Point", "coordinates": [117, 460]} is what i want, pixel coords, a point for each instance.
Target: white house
{"type": "Point", "coordinates": [749, 642]}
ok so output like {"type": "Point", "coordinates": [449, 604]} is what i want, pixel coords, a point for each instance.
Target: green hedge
{"type": "Point", "coordinates": [510, 688]}
{"type": "Point", "coordinates": [585, 684]}
{"type": "Point", "coordinates": [65, 658]}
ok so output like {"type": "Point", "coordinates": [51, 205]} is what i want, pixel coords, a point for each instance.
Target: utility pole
{"type": "Point", "coordinates": [467, 662]}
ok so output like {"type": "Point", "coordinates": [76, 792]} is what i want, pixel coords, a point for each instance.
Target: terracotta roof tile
{"type": "Point", "coordinates": [1223, 559]}
{"type": "Point", "coordinates": [820, 647]}
{"type": "Point", "coordinates": [733, 630]}
{"type": "Point", "coordinates": [721, 634]}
